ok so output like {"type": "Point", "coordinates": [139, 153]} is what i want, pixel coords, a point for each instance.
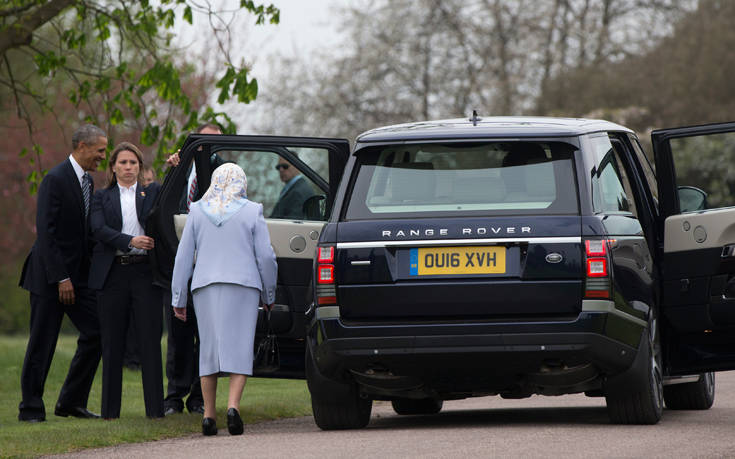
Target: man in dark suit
{"type": "Point", "coordinates": [296, 190]}
{"type": "Point", "coordinates": [182, 355]}
{"type": "Point", "coordinates": [55, 273]}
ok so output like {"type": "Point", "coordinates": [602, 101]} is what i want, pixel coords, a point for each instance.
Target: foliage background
{"type": "Point", "coordinates": [113, 63]}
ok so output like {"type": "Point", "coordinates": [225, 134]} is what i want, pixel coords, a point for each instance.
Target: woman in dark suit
{"type": "Point", "coordinates": [121, 273]}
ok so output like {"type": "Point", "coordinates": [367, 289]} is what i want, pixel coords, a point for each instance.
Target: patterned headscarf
{"type": "Point", "coordinates": [226, 193]}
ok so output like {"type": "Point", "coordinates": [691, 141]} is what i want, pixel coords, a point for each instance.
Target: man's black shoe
{"type": "Point", "coordinates": [196, 409]}
{"type": "Point", "coordinates": [32, 418]}
{"type": "Point", "coordinates": [76, 411]}
{"type": "Point", "coordinates": [171, 410]}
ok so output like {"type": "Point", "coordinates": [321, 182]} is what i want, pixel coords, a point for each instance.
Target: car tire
{"type": "Point", "coordinates": [636, 396]}
{"type": "Point", "coordinates": [407, 406]}
{"type": "Point", "coordinates": [698, 395]}
{"type": "Point", "coordinates": [335, 405]}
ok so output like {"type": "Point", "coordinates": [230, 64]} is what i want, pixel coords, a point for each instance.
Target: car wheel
{"type": "Point", "coordinates": [417, 406]}
{"type": "Point", "coordinates": [335, 405]}
{"type": "Point", "coordinates": [698, 395]}
{"type": "Point", "coordinates": [636, 396]}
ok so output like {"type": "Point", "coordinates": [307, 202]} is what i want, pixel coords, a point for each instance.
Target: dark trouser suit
{"type": "Point", "coordinates": [182, 358]}
{"type": "Point", "coordinates": [46, 316]}
{"type": "Point", "coordinates": [129, 288]}
{"type": "Point", "coordinates": [131, 358]}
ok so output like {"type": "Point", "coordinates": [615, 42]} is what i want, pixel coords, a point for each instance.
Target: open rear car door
{"type": "Point", "coordinates": [694, 167]}
{"type": "Point", "coordinates": [317, 165]}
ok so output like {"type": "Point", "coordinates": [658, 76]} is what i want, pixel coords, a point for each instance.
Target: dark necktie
{"type": "Point", "coordinates": [86, 190]}
{"type": "Point", "coordinates": [192, 192]}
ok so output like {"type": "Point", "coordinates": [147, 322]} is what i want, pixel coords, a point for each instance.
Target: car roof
{"type": "Point", "coordinates": [489, 127]}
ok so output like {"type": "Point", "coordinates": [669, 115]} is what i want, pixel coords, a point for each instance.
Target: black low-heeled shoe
{"type": "Point", "coordinates": [234, 422]}
{"type": "Point", "coordinates": [209, 426]}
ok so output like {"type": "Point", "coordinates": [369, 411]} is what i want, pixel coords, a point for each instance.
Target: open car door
{"type": "Point", "coordinates": [295, 212]}
{"type": "Point", "coordinates": [697, 198]}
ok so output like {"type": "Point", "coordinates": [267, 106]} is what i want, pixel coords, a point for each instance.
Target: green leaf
{"type": "Point", "coordinates": [102, 84]}
{"type": "Point", "coordinates": [83, 90]}
{"type": "Point", "coordinates": [149, 135]}
{"type": "Point", "coordinates": [116, 117]}
{"type": "Point", "coordinates": [187, 14]}
{"type": "Point", "coordinates": [47, 63]}
{"type": "Point", "coordinates": [224, 85]}
{"type": "Point", "coordinates": [102, 24]}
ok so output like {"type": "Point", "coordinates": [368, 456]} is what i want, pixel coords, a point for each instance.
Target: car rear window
{"type": "Point", "coordinates": [455, 179]}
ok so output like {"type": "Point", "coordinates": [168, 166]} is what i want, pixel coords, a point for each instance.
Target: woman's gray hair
{"type": "Point", "coordinates": [89, 133]}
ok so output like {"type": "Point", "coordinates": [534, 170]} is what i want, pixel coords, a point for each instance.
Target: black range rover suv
{"type": "Point", "coordinates": [497, 256]}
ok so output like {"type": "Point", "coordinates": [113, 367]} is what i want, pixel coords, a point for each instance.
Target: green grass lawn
{"type": "Point", "coordinates": [263, 399]}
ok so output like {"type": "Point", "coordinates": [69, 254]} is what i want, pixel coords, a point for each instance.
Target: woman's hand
{"type": "Point", "coordinates": [180, 313]}
{"type": "Point", "coordinates": [142, 242]}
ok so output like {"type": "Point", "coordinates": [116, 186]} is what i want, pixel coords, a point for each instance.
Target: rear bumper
{"type": "Point", "coordinates": [478, 356]}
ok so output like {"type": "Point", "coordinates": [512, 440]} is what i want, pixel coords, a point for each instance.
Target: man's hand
{"type": "Point", "coordinates": [180, 313]}
{"type": "Point", "coordinates": [268, 307]}
{"type": "Point", "coordinates": [66, 292]}
{"type": "Point", "coordinates": [142, 242]}
{"type": "Point", "coordinates": [173, 160]}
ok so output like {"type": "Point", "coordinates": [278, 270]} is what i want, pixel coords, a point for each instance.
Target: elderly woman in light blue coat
{"type": "Point", "coordinates": [235, 269]}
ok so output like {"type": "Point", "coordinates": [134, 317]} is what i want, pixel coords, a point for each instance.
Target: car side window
{"type": "Point", "coordinates": [703, 164]}
{"type": "Point", "coordinates": [285, 191]}
{"type": "Point", "coordinates": [611, 188]}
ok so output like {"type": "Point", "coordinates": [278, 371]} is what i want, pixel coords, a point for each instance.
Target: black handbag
{"type": "Point", "coordinates": [267, 358]}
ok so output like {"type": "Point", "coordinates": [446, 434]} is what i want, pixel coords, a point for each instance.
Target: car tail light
{"type": "Point", "coordinates": [325, 274]}
{"type": "Point", "coordinates": [325, 289]}
{"type": "Point", "coordinates": [596, 247]}
{"type": "Point", "coordinates": [596, 267]}
{"type": "Point", "coordinates": [325, 254]}
{"type": "Point", "coordinates": [597, 279]}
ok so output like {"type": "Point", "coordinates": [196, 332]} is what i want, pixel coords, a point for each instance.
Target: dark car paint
{"type": "Point", "coordinates": [530, 318]}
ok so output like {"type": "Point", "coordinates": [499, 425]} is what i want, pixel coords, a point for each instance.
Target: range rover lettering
{"type": "Point", "coordinates": [500, 256]}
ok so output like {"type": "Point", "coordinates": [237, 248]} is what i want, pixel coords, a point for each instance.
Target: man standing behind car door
{"type": "Point", "coordinates": [296, 190]}
{"type": "Point", "coordinates": [55, 273]}
{"type": "Point", "coordinates": [182, 356]}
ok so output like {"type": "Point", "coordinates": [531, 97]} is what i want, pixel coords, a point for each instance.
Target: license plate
{"type": "Point", "coordinates": [431, 261]}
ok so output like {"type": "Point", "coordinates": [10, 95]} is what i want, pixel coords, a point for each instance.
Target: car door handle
{"type": "Point", "coordinates": [360, 262]}
{"type": "Point", "coordinates": [728, 251]}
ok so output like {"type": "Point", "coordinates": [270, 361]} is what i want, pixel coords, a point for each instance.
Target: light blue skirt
{"type": "Point", "coordinates": [226, 317]}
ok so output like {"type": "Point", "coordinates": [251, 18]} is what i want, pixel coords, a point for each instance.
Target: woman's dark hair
{"type": "Point", "coordinates": [123, 146]}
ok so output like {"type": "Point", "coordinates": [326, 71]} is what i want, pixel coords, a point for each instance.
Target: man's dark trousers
{"type": "Point", "coordinates": [46, 316]}
{"type": "Point", "coordinates": [182, 359]}
{"type": "Point", "coordinates": [61, 251]}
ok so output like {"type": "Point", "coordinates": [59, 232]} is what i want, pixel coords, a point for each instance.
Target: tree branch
{"type": "Point", "coordinates": [21, 31]}
{"type": "Point", "coordinates": [15, 10]}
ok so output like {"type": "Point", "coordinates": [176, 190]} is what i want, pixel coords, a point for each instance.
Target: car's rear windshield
{"type": "Point", "coordinates": [463, 179]}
